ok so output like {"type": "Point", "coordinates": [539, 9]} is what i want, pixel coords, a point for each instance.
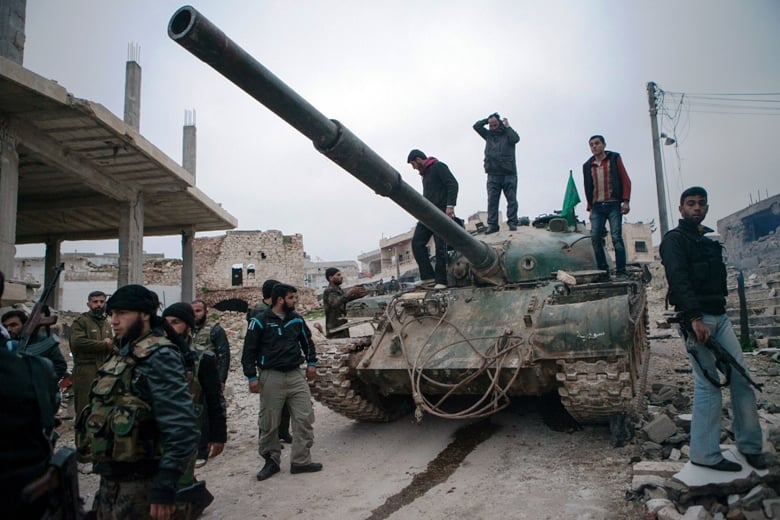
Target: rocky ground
{"type": "Point", "coordinates": [510, 466]}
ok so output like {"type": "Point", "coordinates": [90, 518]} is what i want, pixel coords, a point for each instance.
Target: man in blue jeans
{"type": "Point", "coordinates": [697, 289]}
{"type": "Point", "coordinates": [608, 191]}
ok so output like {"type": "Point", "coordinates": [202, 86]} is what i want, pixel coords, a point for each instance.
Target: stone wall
{"type": "Point", "coordinates": [273, 255]}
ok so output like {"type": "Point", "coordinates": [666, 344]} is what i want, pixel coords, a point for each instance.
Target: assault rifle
{"type": "Point", "coordinates": [724, 361]}
{"type": "Point", "coordinates": [60, 483]}
{"type": "Point", "coordinates": [40, 315]}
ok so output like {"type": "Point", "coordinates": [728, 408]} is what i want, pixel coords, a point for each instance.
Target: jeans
{"type": "Point", "coordinates": [707, 399]}
{"type": "Point", "coordinates": [495, 185]}
{"type": "Point", "coordinates": [599, 214]}
{"type": "Point", "coordinates": [420, 251]}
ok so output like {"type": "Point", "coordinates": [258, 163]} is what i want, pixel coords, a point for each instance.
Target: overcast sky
{"type": "Point", "coordinates": [414, 74]}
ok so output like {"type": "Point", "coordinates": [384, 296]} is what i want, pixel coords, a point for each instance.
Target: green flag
{"type": "Point", "coordinates": [570, 200]}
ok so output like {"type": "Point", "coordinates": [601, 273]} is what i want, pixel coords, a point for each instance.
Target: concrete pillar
{"type": "Point", "coordinates": [189, 143]}
{"type": "Point", "coordinates": [133, 89]}
{"type": "Point", "coordinates": [51, 260]}
{"type": "Point", "coordinates": [188, 264]}
{"type": "Point", "coordinates": [131, 238]}
{"type": "Point", "coordinates": [9, 194]}
{"type": "Point", "coordinates": [12, 17]}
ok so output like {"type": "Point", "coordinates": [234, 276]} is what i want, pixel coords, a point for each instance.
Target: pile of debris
{"type": "Point", "coordinates": [676, 489]}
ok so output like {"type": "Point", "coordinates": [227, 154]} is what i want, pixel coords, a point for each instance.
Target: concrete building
{"type": "Point", "coordinates": [750, 236]}
{"type": "Point", "coordinates": [72, 170]}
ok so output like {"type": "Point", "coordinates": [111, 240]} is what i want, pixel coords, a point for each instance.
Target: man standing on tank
{"type": "Point", "coordinates": [696, 275]}
{"type": "Point", "coordinates": [500, 167]}
{"type": "Point", "coordinates": [441, 188]}
{"type": "Point", "coordinates": [608, 191]}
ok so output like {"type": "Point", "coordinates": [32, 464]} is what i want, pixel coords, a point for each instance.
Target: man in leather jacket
{"type": "Point", "coordinates": [141, 387]}
{"type": "Point", "coordinates": [697, 288]}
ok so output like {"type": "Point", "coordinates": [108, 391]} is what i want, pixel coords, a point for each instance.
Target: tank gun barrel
{"type": "Point", "coordinates": [193, 31]}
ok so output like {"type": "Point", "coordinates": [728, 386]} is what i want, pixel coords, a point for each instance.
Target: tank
{"type": "Point", "coordinates": [526, 312]}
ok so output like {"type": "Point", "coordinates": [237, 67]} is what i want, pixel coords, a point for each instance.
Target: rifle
{"type": "Point", "coordinates": [40, 315]}
{"type": "Point", "coordinates": [724, 361]}
{"type": "Point", "coordinates": [61, 483]}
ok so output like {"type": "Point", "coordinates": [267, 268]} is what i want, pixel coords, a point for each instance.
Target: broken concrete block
{"type": "Point", "coordinates": [668, 513]}
{"type": "Point", "coordinates": [664, 469]}
{"type": "Point", "coordinates": [756, 496]}
{"type": "Point", "coordinates": [697, 513]}
{"type": "Point", "coordinates": [640, 482]}
{"type": "Point", "coordinates": [753, 515]}
{"type": "Point", "coordinates": [772, 508]}
{"type": "Point", "coordinates": [683, 420]}
{"type": "Point", "coordinates": [654, 504]}
{"type": "Point", "coordinates": [660, 428]}
{"type": "Point", "coordinates": [655, 492]}
{"type": "Point", "coordinates": [675, 454]}
{"type": "Point", "coordinates": [686, 451]}
{"type": "Point", "coordinates": [652, 450]}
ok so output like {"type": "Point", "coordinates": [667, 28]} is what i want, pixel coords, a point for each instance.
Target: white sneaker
{"type": "Point", "coordinates": [439, 286]}
{"type": "Point", "coordinates": [199, 463]}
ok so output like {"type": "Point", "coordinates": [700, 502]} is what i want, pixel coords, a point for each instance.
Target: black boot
{"type": "Point", "coordinates": [270, 469]}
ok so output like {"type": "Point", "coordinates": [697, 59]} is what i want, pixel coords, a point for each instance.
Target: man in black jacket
{"type": "Point", "coordinates": [500, 167]}
{"type": "Point", "coordinates": [44, 344]}
{"type": "Point", "coordinates": [139, 428]}
{"type": "Point", "coordinates": [441, 189]}
{"type": "Point", "coordinates": [697, 289]}
{"type": "Point", "coordinates": [277, 342]}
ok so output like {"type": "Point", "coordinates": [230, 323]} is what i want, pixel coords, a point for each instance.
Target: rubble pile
{"type": "Point", "coordinates": [673, 488]}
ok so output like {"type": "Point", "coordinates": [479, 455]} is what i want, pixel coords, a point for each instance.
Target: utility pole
{"type": "Point", "coordinates": [660, 189]}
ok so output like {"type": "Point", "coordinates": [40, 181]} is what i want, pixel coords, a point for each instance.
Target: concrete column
{"type": "Point", "coordinates": [51, 260]}
{"type": "Point", "coordinates": [188, 264]}
{"type": "Point", "coordinates": [131, 238]}
{"type": "Point", "coordinates": [189, 143]}
{"type": "Point", "coordinates": [12, 17]}
{"type": "Point", "coordinates": [133, 92]}
{"type": "Point", "coordinates": [9, 194]}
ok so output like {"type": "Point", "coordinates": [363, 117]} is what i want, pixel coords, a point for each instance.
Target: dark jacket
{"type": "Point", "coordinates": [213, 400]}
{"type": "Point", "coordinates": [46, 346]}
{"type": "Point", "coordinates": [694, 270]}
{"type": "Point", "coordinates": [28, 403]}
{"type": "Point", "coordinates": [215, 337]}
{"type": "Point", "coordinates": [159, 381]}
{"type": "Point", "coordinates": [619, 181]}
{"type": "Point", "coordinates": [277, 344]}
{"type": "Point", "coordinates": [439, 185]}
{"type": "Point", "coordinates": [499, 148]}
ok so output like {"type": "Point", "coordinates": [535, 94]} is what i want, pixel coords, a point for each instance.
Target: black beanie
{"type": "Point", "coordinates": [181, 310]}
{"type": "Point", "coordinates": [330, 271]}
{"type": "Point", "coordinates": [133, 298]}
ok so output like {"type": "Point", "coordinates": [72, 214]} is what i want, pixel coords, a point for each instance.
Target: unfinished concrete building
{"type": "Point", "coordinates": [72, 170]}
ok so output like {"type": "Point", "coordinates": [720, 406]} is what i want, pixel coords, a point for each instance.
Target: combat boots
{"type": "Point", "coordinates": [270, 469]}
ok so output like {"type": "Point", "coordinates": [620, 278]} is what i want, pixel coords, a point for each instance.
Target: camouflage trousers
{"type": "Point", "coordinates": [129, 500]}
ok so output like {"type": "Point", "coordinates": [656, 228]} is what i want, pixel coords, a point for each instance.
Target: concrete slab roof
{"type": "Point", "coordinates": [78, 163]}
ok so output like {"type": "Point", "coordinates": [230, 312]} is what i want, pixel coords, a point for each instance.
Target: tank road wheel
{"type": "Point", "coordinates": [338, 387]}
{"type": "Point", "coordinates": [593, 391]}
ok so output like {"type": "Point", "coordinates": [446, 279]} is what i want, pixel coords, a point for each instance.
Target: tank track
{"type": "Point", "coordinates": [594, 390]}
{"type": "Point", "coordinates": [339, 389]}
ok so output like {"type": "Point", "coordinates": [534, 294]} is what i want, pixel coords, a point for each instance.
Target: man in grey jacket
{"type": "Point", "coordinates": [500, 167]}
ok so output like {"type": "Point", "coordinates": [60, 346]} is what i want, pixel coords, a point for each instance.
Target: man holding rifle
{"type": "Point", "coordinates": [696, 275]}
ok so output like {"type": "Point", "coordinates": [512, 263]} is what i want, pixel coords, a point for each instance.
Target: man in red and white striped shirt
{"type": "Point", "coordinates": [608, 191]}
